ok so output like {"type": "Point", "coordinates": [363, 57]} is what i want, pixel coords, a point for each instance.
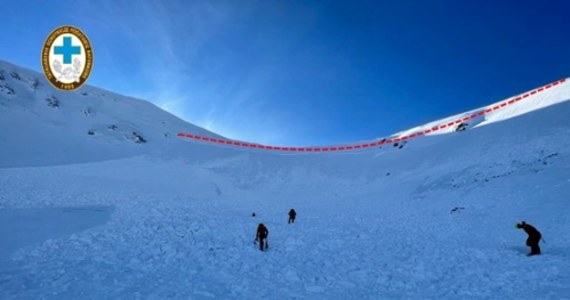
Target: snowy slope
{"type": "Point", "coordinates": [550, 94]}
{"type": "Point", "coordinates": [374, 224]}
{"type": "Point", "coordinates": [44, 126]}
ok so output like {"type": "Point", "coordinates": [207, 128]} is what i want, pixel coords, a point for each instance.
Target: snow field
{"type": "Point", "coordinates": [103, 217]}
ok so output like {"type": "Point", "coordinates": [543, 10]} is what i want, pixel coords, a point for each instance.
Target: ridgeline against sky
{"type": "Point", "coordinates": [306, 73]}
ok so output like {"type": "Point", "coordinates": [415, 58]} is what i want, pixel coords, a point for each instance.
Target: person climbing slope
{"type": "Point", "coordinates": [292, 215]}
{"type": "Point", "coordinates": [534, 237]}
{"type": "Point", "coordinates": [261, 236]}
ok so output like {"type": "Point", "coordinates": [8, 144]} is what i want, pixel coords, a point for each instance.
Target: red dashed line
{"type": "Point", "coordinates": [378, 143]}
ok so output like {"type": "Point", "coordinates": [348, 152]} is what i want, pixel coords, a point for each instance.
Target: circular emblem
{"type": "Point", "coordinates": [67, 58]}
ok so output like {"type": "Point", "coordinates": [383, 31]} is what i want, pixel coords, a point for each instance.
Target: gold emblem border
{"type": "Point", "coordinates": [67, 29]}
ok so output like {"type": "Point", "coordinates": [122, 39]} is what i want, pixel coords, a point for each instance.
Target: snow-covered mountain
{"type": "Point", "coordinates": [44, 126]}
{"type": "Point", "coordinates": [431, 218]}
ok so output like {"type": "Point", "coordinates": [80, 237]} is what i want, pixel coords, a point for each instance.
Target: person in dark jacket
{"type": "Point", "coordinates": [534, 237]}
{"type": "Point", "coordinates": [261, 236]}
{"type": "Point", "coordinates": [292, 215]}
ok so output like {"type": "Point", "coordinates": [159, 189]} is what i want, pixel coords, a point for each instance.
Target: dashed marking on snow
{"type": "Point", "coordinates": [486, 110]}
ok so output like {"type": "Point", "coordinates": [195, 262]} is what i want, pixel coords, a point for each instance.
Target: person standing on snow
{"type": "Point", "coordinates": [261, 236]}
{"type": "Point", "coordinates": [534, 237]}
{"type": "Point", "coordinates": [292, 215]}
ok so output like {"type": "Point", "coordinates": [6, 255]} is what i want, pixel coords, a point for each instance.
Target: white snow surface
{"type": "Point", "coordinates": [103, 217]}
{"type": "Point", "coordinates": [43, 126]}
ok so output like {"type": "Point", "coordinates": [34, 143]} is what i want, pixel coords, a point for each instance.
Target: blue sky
{"type": "Point", "coordinates": [306, 72]}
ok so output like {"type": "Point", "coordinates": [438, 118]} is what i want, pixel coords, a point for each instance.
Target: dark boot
{"type": "Point", "coordinates": [534, 250]}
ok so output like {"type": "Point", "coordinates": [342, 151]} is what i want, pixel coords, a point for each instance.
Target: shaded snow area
{"type": "Point", "coordinates": [23, 227]}
{"type": "Point", "coordinates": [172, 220]}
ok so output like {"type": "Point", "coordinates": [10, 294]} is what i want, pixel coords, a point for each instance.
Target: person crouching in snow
{"type": "Point", "coordinates": [534, 237]}
{"type": "Point", "coordinates": [261, 236]}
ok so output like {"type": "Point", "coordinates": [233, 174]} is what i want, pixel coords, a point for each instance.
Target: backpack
{"type": "Point", "coordinates": [262, 231]}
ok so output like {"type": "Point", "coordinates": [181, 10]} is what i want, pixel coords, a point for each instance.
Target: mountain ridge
{"type": "Point", "coordinates": [93, 123]}
{"type": "Point", "coordinates": [90, 124]}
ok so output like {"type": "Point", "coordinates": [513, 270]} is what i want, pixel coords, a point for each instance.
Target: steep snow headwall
{"type": "Point", "coordinates": [550, 94]}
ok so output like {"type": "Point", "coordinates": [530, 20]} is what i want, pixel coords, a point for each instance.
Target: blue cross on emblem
{"type": "Point", "coordinates": [67, 50]}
